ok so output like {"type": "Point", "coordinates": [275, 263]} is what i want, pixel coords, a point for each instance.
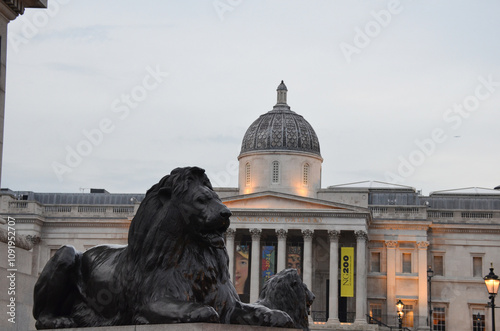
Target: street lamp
{"type": "Point", "coordinates": [400, 306]}
{"type": "Point", "coordinates": [491, 281]}
{"type": "Point", "coordinates": [430, 273]}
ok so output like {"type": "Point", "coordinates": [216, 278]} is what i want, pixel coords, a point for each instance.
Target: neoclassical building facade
{"type": "Point", "coordinates": [360, 247]}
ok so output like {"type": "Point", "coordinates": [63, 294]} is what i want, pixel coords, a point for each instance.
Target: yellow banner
{"type": "Point", "coordinates": [347, 272]}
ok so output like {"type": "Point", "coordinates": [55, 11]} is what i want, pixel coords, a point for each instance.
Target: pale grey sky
{"type": "Point", "coordinates": [402, 91]}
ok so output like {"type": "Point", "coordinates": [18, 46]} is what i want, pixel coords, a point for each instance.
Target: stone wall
{"type": "Point", "coordinates": [21, 292]}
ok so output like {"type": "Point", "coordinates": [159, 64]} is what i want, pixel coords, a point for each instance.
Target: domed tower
{"type": "Point", "coordinates": [280, 152]}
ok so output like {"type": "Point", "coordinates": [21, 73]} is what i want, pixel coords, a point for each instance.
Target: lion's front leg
{"type": "Point", "coordinates": [169, 310]}
{"type": "Point", "coordinates": [255, 314]}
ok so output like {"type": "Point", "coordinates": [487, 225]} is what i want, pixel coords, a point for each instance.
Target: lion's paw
{"type": "Point", "coordinates": [204, 314]}
{"type": "Point", "coordinates": [277, 318]}
{"type": "Point", "coordinates": [54, 323]}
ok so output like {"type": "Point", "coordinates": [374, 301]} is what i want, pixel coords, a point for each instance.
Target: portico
{"type": "Point", "coordinates": [315, 234]}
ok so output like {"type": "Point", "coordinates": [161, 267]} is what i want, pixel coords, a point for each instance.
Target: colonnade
{"type": "Point", "coordinates": [361, 266]}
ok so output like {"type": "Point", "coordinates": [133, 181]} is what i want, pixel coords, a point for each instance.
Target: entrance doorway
{"type": "Point", "coordinates": [343, 316]}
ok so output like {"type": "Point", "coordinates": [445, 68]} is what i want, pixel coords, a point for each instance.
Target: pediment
{"type": "Point", "coordinates": [274, 200]}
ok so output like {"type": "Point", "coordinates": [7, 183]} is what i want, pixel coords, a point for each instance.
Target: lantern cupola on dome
{"type": "Point", "coordinates": [280, 151]}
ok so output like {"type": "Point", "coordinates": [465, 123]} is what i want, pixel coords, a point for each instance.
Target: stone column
{"type": "Point", "coordinates": [333, 303]}
{"type": "Point", "coordinates": [255, 274]}
{"type": "Point", "coordinates": [307, 263]}
{"type": "Point", "coordinates": [230, 233]}
{"type": "Point", "coordinates": [422, 285]}
{"type": "Point", "coordinates": [281, 233]}
{"type": "Point", "coordinates": [361, 274]}
{"type": "Point", "coordinates": [391, 281]}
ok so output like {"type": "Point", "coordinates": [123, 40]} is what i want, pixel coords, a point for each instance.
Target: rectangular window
{"type": "Point", "coordinates": [408, 316]}
{"type": "Point", "coordinates": [438, 265]}
{"type": "Point", "coordinates": [247, 174]}
{"type": "Point", "coordinates": [478, 323]}
{"type": "Point", "coordinates": [477, 266]}
{"type": "Point", "coordinates": [407, 263]}
{"type": "Point", "coordinates": [438, 319]}
{"type": "Point", "coordinates": [305, 175]}
{"type": "Point", "coordinates": [375, 313]}
{"type": "Point", "coordinates": [276, 172]}
{"type": "Point", "coordinates": [375, 260]}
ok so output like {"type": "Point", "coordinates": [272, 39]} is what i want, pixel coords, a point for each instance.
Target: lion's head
{"type": "Point", "coordinates": [286, 291]}
{"type": "Point", "coordinates": [182, 205]}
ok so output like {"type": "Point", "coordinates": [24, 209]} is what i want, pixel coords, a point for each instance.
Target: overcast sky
{"type": "Point", "coordinates": [115, 94]}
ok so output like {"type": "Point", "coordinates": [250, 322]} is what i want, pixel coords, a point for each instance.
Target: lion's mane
{"type": "Point", "coordinates": [164, 247]}
{"type": "Point", "coordinates": [285, 291]}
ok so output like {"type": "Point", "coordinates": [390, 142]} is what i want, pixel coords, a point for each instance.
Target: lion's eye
{"type": "Point", "coordinates": [200, 200]}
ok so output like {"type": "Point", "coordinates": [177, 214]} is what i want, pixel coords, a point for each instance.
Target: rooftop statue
{"type": "Point", "coordinates": [173, 270]}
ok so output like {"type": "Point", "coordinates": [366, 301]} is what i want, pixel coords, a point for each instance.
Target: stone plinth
{"type": "Point", "coordinates": [181, 327]}
{"type": "Point", "coordinates": [220, 327]}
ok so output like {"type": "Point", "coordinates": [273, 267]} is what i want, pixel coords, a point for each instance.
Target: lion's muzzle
{"type": "Point", "coordinates": [216, 228]}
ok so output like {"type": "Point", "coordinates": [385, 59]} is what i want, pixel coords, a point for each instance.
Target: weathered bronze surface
{"type": "Point", "coordinates": [173, 270]}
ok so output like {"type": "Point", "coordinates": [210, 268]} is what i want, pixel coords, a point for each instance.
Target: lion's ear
{"type": "Point", "coordinates": [164, 194]}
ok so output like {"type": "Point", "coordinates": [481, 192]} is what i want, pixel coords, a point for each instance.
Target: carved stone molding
{"type": "Point", "coordinates": [21, 241]}
{"type": "Point", "coordinates": [281, 233]}
{"type": "Point", "coordinates": [333, 235]}
{"type": "Point", "coordinates": [230, 233]}
{"type": "Point", "coordinates": [422, 244]}
{"type": "Point", "coordinates": [391, 243]}
{"type": "Point", "coordinates": [255, 233]}
{"type": "Point", "coordinates": [35, 240]}
{"type": "Point", "coordinates": [361, 235]}
{"type": "Point", "coordinates": [308, 234]}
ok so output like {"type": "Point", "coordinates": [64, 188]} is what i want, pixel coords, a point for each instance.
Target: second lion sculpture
{"type": "Point", "coordinates": [286, 291]}
{"type": "Point", "coordinates": [173, 270]}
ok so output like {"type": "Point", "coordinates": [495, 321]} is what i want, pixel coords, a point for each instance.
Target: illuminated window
{"type": "Point", "coordinates": [438, 319]}
{"type": "Point", "coordinates": [375, 312]}
{"type": "Point", "coordinates": [406, 263]}
{"type": "Point", "coordinates": [478, 323]}
{"type": "Point", "coordinates": [247, 174]}
{"type": "Point", "coordinates": [305, 174]}
{"type": "Point", "coordinates": [276, 172]}
{"type": "Point", "coordinates": [408, 316]}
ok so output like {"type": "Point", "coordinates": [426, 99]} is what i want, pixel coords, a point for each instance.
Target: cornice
{"type": "Point", "coordinates": [300, 213]}
{"type": "Point", "coordinates": [392, 226]}
{"type": "Point", "coordinates": [280, 152]}
{"type": "Point", "coordinates": [465, 230]}
{"type": "Point", "coordinates": [265, 194]}
{"type": "Point", "coordinates": [11, 9]}
{"type": "Point", "coordinates": [400, 219]}
{"type": "Point", "coordinates": [37, 221]}
{"type": "Point", "coordinates": [87, 224]}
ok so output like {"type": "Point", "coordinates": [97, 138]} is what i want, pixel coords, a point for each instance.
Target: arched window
{"type": "Point", "coordinates": [276, 172]}
{"type": "Point", "coordinates": [305, 174]}
{"type": "Point", "coordinates": [247, 174]}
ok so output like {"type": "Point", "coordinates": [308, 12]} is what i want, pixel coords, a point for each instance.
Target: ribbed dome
{"type": "Point", "coordinates": [280, 129]}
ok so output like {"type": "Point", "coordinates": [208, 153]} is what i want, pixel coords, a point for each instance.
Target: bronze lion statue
{"type": "Point", "coordinates": [285, 291]}
{"type": "Point", "coordinates": [173, 270]}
